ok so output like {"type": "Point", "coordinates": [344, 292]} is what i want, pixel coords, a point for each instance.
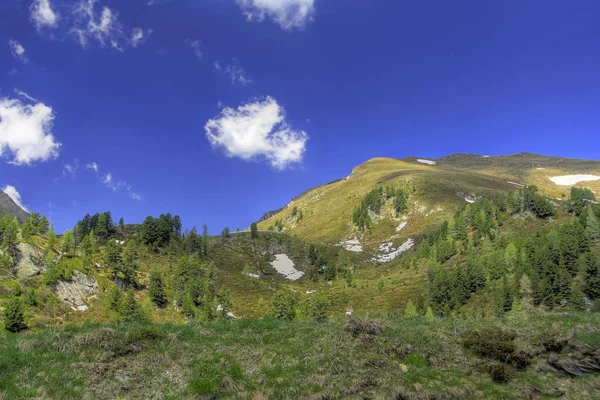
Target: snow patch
{"type": "Point", "coordinates": [352, 245]}
{"type": "Point", "coordinates": [349, 312]}
{"type": "Point", "coordinates": [285, 266]}
{"type": "Point", "coordinates": [540, 169]}
{"type": "Point", "coordinates": [570, 180]}
{"type": "Point", "coordinates": [311, 291]}
{"type": "Point", "coordinates": [515, 183]}
{"type": "Point", "coordinates": [401, 226]}
{"type": "Point", "coordinates": [428, 162]}
{"type": "Point", "coordinates": [251, 275]}
{"type": "Point", "coordinates": [468, 200]}
{"type": "Point", "coordinates": [389, 253]}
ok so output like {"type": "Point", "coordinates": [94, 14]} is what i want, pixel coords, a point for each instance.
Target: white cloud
{"type": "Point", "coordinates": [43, 15]}
{"type": "Point", "coordinates": [93, 166]}
{"type": "Point", "coordinates": [139, 36]}
{"type": "Point", "coordinates": [234, 72]}
{"type": "Point", "coordinates": [288, 14]}
{"type": "Point", "coordinates": [257, 129]}
{"type": "Point", "coordinates": [135, 196]}
{"type": "Point", "coordinates": [195, 46]}
{"type": "Point", "coordinates": [26, 131]}
{"type": "Point", "coordinates": [14, 194]}
{"type": "Point", "coordinates": [17, 50]}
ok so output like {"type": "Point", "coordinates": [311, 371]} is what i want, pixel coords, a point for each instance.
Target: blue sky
{"type": "Point", "coordinates": [219, 110]}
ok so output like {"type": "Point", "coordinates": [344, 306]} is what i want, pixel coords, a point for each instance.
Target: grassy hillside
{"type": "Point", "coordinates": [440, 190]}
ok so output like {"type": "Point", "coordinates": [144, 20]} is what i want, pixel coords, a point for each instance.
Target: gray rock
{"type": "Point", "coordinates": [76, 291]}
{"type": "Point", "coordinates": [29, 261]}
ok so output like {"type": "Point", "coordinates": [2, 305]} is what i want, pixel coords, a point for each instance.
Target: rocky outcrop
{"type": "Point", "coordinates": [76, 292]}
{"type": "Point", "coordinates": [29, 261]}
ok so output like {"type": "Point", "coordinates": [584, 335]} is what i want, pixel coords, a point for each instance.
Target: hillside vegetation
{"type": "Point", "coordinates": [460, 263]}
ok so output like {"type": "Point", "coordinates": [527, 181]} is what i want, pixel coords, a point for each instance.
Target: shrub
{"type": "Point", "coordinates": [284, 305]}
{"type": "Point", "coordinates": [357, 326]}
{"type": "Point", "coordinates": [14, 316]}
{"type": "Point", "coordinates": [316, 307]}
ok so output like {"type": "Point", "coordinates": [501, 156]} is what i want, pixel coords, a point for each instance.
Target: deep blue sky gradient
{"type": "Point", "coordinates": [364, 79]}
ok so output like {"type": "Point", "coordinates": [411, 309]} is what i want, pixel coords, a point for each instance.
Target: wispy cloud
{"type": "Point", "coordinates": [92, 166]}
{"type": "Point", "coordinates": [17, 50]}
{"type": "Point", "coordinates": [70, 170]}
{"type": "Point", "coordinates": [139, 36]}
{"type": "Point", "coordinates": [257, 129]}
{"type": "Point", "coordinates": [102, 25]}
{"type": "Point", "coordinates": [116, 185]}
{"type": "Point", "coordinates": [234, 72]}
{"type": "Point", "coordinates": [195, 46]}
{"type": "Point", "coordinates": [288, 14]}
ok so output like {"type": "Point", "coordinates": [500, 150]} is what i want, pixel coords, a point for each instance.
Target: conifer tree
{"type": "Point", "coordinates": [156, 289]}
{"type": "Point", "coordinates": [410, 311]}
{"type": "Point", "coordinates": [592, 229]}
{"type": "Point", "coordinates": [254, 230]}
{"type": "Point", "coordinates": [14, 316]}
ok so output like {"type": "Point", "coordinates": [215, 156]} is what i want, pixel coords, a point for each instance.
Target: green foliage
{"type": "Point", "coordinates": [63, 270]}
{"type": "Point", "coordinates": [315, 308]}
{"type": "Point", "coordinates": [115, 298]}
{"type": "Point", "coordinates": [130, 310]}
{"type": "Point", "coordinates": [254, 230]}
{"type": "Point", "coordinates": [112, 257]}
{"type": "Point", "coordinates": [591, 273]}
{"type": "Point", "coordinates": [580, 198]}
{"type": "Point", "coordinates": [284, 305]}
{"type": "Point", "coordinates": [10, 230]}
{"type": "Point", "coordinates": [14, 316]}
{"type": "Point", "coordinates": [67, 242]}
{"type": "Point", "coordinates": [101, 224]}
{"type": "Point", "coordinates": [160, 232]}
{"type": "Point", "coordinates": [156, 289]}
{"type": "Point", "coordinates": [35, 224]}
{"type": "Point", "coordinates": [410, 311]}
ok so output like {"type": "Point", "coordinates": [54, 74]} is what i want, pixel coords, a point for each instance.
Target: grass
{"type": "Point", "coordinates": [382, 358]}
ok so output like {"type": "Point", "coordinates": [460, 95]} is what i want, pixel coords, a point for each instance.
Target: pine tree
{"type": "Point", "coordinates": [130, 310]}
{"type": "Point", "coordinates": [410, 311]}
{"type": "Point", "coordinates": [129, 266]}
{"type": "Point", "coordinates": [156, 289]}
{"type": "Point", "coordinates": [188, 308]}
{"type": "Point", "coordinates": [122, 224]}
{"type": "Point", "coordinates": [592, 229]}
{"type": "Point", "coordinates": [429, 313]}
{"type": "Point", "coordinates": [254, 230]}
{"type": "Point", "coordinates": [115, 298]}
{"type": "Point", "coordinates": [112, 257]}
{"type": "Point", "coordinates": [10, 235]}
{"type": "Point", "coordinates": [67, 242]}
{"type": "Point", "coordinates": [591, 273]}
{"type": "Point", "coordinates": [14, 316]}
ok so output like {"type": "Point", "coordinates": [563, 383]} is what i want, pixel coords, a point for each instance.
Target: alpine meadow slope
{"type": "Point", "coordinates": [383, 284]}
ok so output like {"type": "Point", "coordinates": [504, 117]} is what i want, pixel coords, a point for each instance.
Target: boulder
{"type": "Point", "coordinates": [75, 292]}
{"type": "Point", "coordinates": [29, 261]}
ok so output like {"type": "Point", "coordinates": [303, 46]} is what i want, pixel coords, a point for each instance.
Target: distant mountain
{"type": "Point", "coordinates": [8, 206]}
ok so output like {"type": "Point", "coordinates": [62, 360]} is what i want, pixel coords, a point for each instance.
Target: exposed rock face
{"type": "Point", "coordinates": [29, 261]}
{"type": "Point", "coordinates": [75, 292]}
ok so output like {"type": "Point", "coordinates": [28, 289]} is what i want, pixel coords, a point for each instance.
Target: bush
{"type": "Point", "coordinates": [284, 305]}
{"type": "Point", "coordinates": [316, 307]}
{"type": "Point", "coordinates": [497, 344]}
{"type": "Point", "coordinates": [357, 326]}
{"type": "Point", "coordinates": [500, 373]}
